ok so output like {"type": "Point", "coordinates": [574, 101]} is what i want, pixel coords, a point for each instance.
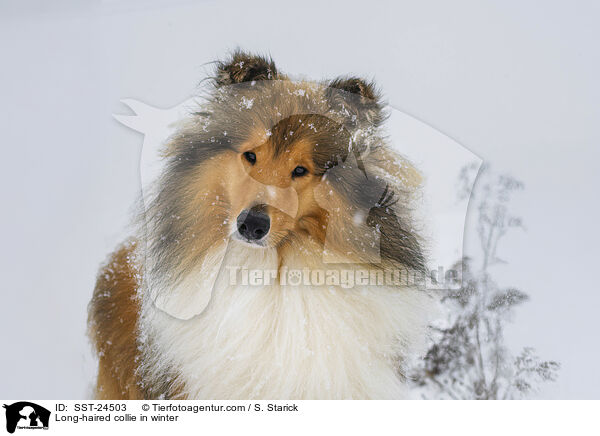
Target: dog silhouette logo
{"type": "Point", "coordinates": [26, 415]}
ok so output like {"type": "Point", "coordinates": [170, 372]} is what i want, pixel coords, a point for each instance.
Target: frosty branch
{"type": "Point", "coordinates": [468, 358]}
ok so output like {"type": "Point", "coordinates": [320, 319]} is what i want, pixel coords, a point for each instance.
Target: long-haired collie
{"type": "Point", "coordinates": [271, 255]}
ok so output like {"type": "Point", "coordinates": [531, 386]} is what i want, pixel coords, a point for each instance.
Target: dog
{"type": "Point", "coordinates": [289, 177]}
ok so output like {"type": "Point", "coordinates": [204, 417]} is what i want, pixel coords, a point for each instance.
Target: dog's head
{"type": "Point", "coordinates": [271, 163]}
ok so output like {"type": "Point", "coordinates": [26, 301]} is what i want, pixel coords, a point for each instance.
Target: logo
{"type": "Point", "coordinates": [360, 185]}
{"type": "Point", "coordinates": [26, 415]}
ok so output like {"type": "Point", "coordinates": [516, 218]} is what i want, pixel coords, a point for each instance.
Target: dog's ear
{"type": "Point", "coordinates": [359, 97]}
{"type": "Point", "coordinates": [245, 67]}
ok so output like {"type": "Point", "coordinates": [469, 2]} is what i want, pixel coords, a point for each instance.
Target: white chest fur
{"type": "Point", "coordinates": [271, 341]}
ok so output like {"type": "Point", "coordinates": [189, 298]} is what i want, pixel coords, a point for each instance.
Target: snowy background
{"type": "Point", "coordinates": [514, 82]}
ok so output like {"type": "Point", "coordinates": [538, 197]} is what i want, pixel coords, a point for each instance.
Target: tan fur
{"type": "Point", "coordinates": [113, 320]}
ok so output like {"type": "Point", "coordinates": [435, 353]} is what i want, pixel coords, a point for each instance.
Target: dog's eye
{"type": "Point", "coordinates": [299, 172]}
{"type": "Point", "coordinates": [250, 157]}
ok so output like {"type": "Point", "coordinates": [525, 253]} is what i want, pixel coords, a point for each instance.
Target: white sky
{"type": "Point", "coordinates": [514, 82]}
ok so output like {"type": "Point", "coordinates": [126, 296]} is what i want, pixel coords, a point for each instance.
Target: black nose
{"type": "Point", "coordinates": [253, 224]}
